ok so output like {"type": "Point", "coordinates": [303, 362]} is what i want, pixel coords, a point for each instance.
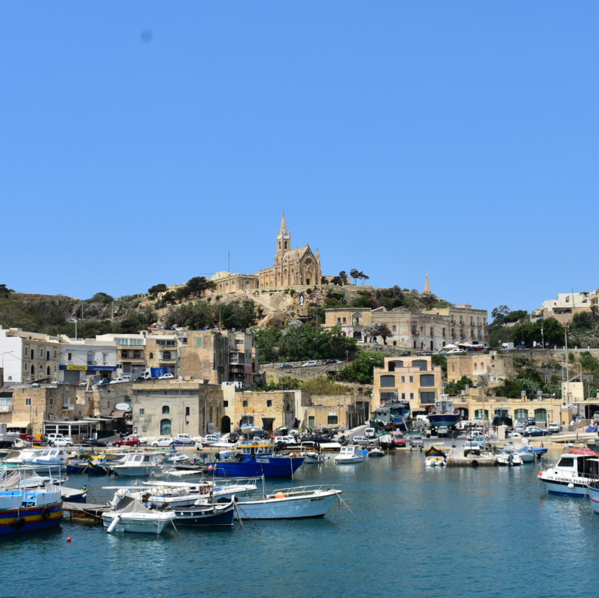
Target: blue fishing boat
{"type": "Point", "coordinates": [443, 414]}
{"type": "Point", "coordinates": [24, 510]}
{"type": "Point", "coordinates": [395, 412]}
{"type": "Point", "coordinates": [258, 460]}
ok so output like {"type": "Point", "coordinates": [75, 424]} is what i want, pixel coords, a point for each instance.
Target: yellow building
{"type": "Point", "coordinates": [411, 378]}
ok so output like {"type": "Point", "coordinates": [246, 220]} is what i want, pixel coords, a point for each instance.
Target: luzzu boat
{"type": "Point", "coordinates": [24, 510]}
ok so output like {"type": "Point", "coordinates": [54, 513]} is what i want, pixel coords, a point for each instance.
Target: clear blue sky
{"type": "Point", "coordinates": [458, 138]}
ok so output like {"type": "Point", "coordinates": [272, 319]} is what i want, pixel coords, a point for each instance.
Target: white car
{"type": "Point", "coordinates": [118, 380]}
{"type": "Point", "coordinates": [164, 441]}
{"type": "Point", "coordinates": [554, 428]}
{"type": "Point", "coordinates": [289, 439]}
{"type": "Point", "coordinates": [166, 377]}
{"type": "Point", "coordinates": [59, 440]}
{"type": "Point", "coordinates": [309, 364]}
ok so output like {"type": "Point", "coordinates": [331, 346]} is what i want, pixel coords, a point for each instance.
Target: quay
{"type": "Point", "coordinates": [84, 512]}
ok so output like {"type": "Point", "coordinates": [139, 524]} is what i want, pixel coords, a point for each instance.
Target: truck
{"type": "Point", "coordinates": [151, 374]}
{"type": "Point", "coordinates": [507, 346]}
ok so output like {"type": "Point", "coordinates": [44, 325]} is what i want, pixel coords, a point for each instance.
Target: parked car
{"type": "Point", "coordinates": [535, 431]}
{"type": "Point", "coordinates": [472, 447]}
{"type": "Point", "coordinates": [531, 421]}
{"type": "Point", "coordinates": [329, 361]}
{"type": "Point", "coordinates": [103, 381]}
{"type": "Point", "coordinates": [520, 427]}
{"type": "Point", "coordinates": [166, 377]}
{"type": "Point", "coordinates": [184, 439]}
{"type": "Point", "coordinates": [398, 439]}
{"type": "Point", "coordinates": [92, 442]}
{"type": "Point", "coordinates": [127, 441]}
{"type": "Point", "coordinates": [309, 364]}
{"type": "Point", "coordinates": [289, 439]}
{"type": "Point", "coordinates": [514, 435]}
{"type": "Point", "coordinates": [118, 380]}
{"type": "Point", "coordinates": [233, 437]}
{"type": "Point", "coordinates": [285, 366]}
{"type": "Point", "coordinates": [554, 428]}
{"type": "Point", "coordinates": [442, 431]}
{"type": "Point", "coordinates": [164, 441]}
{"type": "Point", "coordinates": [59, 440]}
{"type": "Point", "coordinates": [361, 440]}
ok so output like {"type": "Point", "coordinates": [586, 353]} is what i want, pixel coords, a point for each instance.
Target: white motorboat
{"type": "Point", "coordinates": [182, 494]}
{"type": "Point", "coordinates": [526, 453]}
{"type": "Point", "coordinates": [300, 502]}
{"type": "Point", "coordinates": [311, 455]}
{"type": "Point", "coordinates": [349, 454]}
{"type": "Point", "coordinates": [435, 461]}
{"type": "Point", "coordinates": [50, 456]}
{"type": "Point", "coordinates": [572, 474]}
{"type": "Point", "coordinates": [137, 465]}
{"type": "Point", "coordinates": [511, 459]}
{"type": "Point", "coordinates": [7, 439]}
{"type": "Point", "coordinates": [131, 516]}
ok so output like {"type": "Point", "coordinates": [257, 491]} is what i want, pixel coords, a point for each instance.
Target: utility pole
{"type": "Point", "coordinates": [229, 270]}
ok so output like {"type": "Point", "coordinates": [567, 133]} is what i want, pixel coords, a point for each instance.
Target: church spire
{"type": "Point", "coordinates": [427, 286]}
{"type": "Point", "coordinates": [283, 224]}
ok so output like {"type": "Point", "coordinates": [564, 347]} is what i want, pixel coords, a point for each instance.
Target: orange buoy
{"type": "Point", "coordinates": [210, 467]}
{"type": "Point", "coordinates": [280, 495]}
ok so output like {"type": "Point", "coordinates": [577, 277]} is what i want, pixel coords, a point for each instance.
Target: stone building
{"type": "Point", "coordinates": [267, 410]}
{"type": "Point", "coordinates": [162, 351]}
{"type": "Point", "coordinates": [82, 358]}
{"type": "Point", "coordinates": [411, 378]}
{"type": "Point", "coordinates": [465, 324]}
{"type": "Point", "coordinates": [566, 305]}
{"type": "Point", "coordinates": [346, 411]}
{"type": "Point", "coordinates": [171, 407]}
{"type": "Point", "coordinates": [497, 367]}
{"type": "Point", "coordinates": [299, 267]}
{"type": "Point", "coordinates": [28, 356]}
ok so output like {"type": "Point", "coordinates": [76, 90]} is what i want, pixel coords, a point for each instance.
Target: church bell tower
{"type": "Point", "coordinates": [283, 238]}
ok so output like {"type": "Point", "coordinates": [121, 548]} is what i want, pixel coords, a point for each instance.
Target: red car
{"type": "Point", "coordinates": [398, 439]}
{"type": "Point", "coordinates": [127, 441]}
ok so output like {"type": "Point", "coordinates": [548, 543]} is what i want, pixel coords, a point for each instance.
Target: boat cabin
{"type": "Point", "coordinates": [582, 465]}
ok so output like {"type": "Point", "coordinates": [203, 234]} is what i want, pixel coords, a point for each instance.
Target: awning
{"type": "Point", "coordinates": [118, 414]}
{"type": "Point", "coordinates": [17, 424]}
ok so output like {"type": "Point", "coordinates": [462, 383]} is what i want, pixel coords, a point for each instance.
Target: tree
{"type": "Point", "coordinates": [375, 330]}
{"type": "Point", "coordinates": [361, 369]}
{"type": "Point", "coordinates": [340, 280]}
{"type": "Point", "coordinates": [456, 388]}
{"type": "Point", "coordinates": [101, 298]}
{"type": "Point", "coordinates": [390, 298]}
{"type": "Point", "coordinates": [354, 274]}
{"type": "Point", "coordinates": [499, 313]}
{"type": "Point", "coordinates": [157, 288]}
{"type": "Point", "coordinates": [198, 284]}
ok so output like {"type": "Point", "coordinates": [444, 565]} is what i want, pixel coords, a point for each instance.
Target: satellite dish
{"type": "Point", "coordinates": [123, 407]}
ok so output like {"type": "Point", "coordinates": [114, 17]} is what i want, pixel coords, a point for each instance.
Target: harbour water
{"type": "Point", "coordinates": [416, 532]}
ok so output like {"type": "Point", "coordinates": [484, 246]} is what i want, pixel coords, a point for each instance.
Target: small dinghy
{"type": "Point", "coordinates": [376, 452]}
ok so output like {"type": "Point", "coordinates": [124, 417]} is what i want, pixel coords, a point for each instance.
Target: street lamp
{"type": "Point", "coordinates": [74, 320]}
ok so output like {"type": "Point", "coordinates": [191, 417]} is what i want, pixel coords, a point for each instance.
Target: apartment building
{"type": "Point", "coordinates": [466, 325]}
{"type": "Point", "coordinates": [410, 378]}
{"type": "Point", "coordinates": [79, 359]}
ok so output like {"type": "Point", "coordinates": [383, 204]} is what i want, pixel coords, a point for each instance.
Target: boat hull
{"type": "Point", "coordinates": [269, 467]}
{"type": "Point", "coordinates": [223, 516]}
{"type": "Point", "coordinates": [286, 508]}
{"type": "Point", "coordinates": [443, 420]}
{"type": "Point", "coordinates": [30, 519]}
{"type": "Point", "coordinates": [594, 496]}
{"type": "Point", "coordinates": [136, 472]}
{"type": "Point", "coordinates": [563, 487]}
{"type": "Point", "coordinates": [131, 524]}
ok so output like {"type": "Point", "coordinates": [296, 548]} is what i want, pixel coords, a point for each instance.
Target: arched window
{"type": "Point", "coordinates": [475, 367]}
{"type": "Point", "coordinates": [48, 371]}
{"type": "Point", "coordinates": [165, 427]}
{"type": "Point", "coordinates": [32, 369]}
{"type": "Point", "coordinates": [166, 355]}
{"type": "Point", "coordinates": [151, 355]}
{"type": "Point", "coordinates": [166, 410]}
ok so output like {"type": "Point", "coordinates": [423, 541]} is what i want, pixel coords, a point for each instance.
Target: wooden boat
{"type": "Point", "coordinates": [217, 514]}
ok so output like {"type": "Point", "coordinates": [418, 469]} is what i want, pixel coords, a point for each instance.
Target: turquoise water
{"type": "Point", "coordinates": [416, 532]}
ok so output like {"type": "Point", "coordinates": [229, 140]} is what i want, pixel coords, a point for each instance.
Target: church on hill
{"type": "Point", "coordinates": [292, 268]}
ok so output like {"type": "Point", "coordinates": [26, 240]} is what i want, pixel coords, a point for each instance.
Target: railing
{"type": "Point", "coordinates": [68, 407]}
{"type": "Point", "coordinates": [6, 408]}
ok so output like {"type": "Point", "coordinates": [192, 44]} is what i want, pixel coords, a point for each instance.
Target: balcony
{"type": "Point", "coordinates": [6, 408]}
{"type": "Point", "coordinates": [68, 407]}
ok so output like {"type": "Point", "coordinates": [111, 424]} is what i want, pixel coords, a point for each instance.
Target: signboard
{"type": "Point", "coordinates": [89, 368]}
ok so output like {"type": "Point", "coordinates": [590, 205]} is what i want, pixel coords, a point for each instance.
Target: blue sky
{"type": "Point", "coordinates": [459, 138]}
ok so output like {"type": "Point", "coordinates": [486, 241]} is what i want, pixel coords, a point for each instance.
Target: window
{"type": "Point", "coordinates": [443, 333]}
{"type": "Point", "coordinates": [187, 410]}
{"type": "Point", "coordinates": [332, 420]}
{"type": "Point", "coordinates": [421, 364]}
{"type": "Point", "coordinates": [51, 402]}
{"type": "Point", "coordinates": [165, 410]}
{"type": "Point", "coordinates": [394, 328]}
{"type": "Point", "coordinates": [142, 413]}
{"type": "Point", "coordinates": [125, 354]}
{"type": "Point", "coordinates": [403, 379]}
{"type": "Point", "coordinates": [432, 333]}
{"type": "Point", "coordinates": [387, 396]}
{"type": "Point", "coordinates": [166, 355]}
{"type": "Point", "coordinates": [311, 421]}
{"type": "Point", "coordinates": [427, 397]}
{"type": "Point", "coordinates": [90, 359]}
{"type": "Point", "coordinates": [165, 427]}
{"type": "Point", "coordinates": [245, 403]}
{"type": "Point", "coordinates": [225, 403]}
{"type": "Point", "coordinates": [345, 320]}
{"type": "Point", "coordinates": [104, 357]}
{"type": "Point", "coordinates": [54, 354]}
{"type": "Point", "coordinates": [69, 356]}
{"type": "Point", "coordinates": [411, 379]}
{"type": "Point", "coordinates": [338, 320]}
{"type": "Point", "coordinates": [269, 403]}
{"type": "Point", "coordinates": [151, 355]}
{"type": "Point", "coordinates": [388, 381]}
{"type": "Point", "coordinates": [427, 380]}
{"type": "Point", "coordinates": [199, 342]}
{"type": "Point", "coordinates": [411, 396]}
{"type": "Point", "coordinates": [136, 354]}
{"type": "Point", "coordinates": [47, 355]}
{"type": "Point", "coordinates": [27, 402]}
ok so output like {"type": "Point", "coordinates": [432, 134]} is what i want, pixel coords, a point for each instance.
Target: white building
{"type": "Point", "coordinates": [86, 357]}
{"type": "Point", "coordinates": [28, 356]}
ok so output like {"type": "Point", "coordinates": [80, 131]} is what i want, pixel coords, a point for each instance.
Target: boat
{"type": "Point", "coordinates": [435, 457]}
{"type": "Point", "coordinates": [131, 516]}
{"type": "Point", "coordinates": [257, 461]}
{"type": "Point", "coordinates": [311, 454]}
{"type": "Point", "coordinates": [348, 455]}
{"type": "Point", "coordinates": [97, 465]}
{"type": "Point", "coordinates": [572, 473]}
{"type": "Point", "coordinates": [198, 514]}
{"type": "Point", "coordinates": [300, 502]}
{"type": "Point", "coordinates": [443, 414]}
{"type": "Point", "coordinates": [527, 453]}
{"type": "Point", "coordinates": [394, 413]}
{"type": "Point", "coordinates": [376, 452]}
{"type": "Point", "coordinates": [24, 510]}
{"type": "Point", "coordinates": [593, 491]}
{"type": "Point", "coordinates": [136, 465]}
{"type": "Point", "coordinates": [510, 459]}
{"type": "Point", "coordinates": [7, 439]}
{"type": "Point", "coordinates": [158, 494]}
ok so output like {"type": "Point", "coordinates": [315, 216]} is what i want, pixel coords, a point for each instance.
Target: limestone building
{"type": "Point", "coordinates": [292, 268]}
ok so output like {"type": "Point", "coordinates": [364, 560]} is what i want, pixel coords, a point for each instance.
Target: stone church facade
{"type": "Point", "coordinates": [292, 268]}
